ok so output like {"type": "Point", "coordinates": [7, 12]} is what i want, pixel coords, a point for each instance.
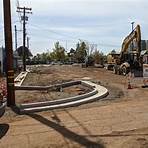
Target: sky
{"type": "Point", "coordinates": [104, 23]}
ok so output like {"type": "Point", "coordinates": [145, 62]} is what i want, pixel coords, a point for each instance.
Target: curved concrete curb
{"type": "Point", "coordinates": [98, 93]}
{"type": "Point", "coordinates": [20, 78]}
{"type": "Point", "coordinates": [66, 84]}
{"type": "Point", "coordinates": [2, 108]}
{"type": "Point", "coordinates": [61, 101]}
{"type": "Point", "coordinates": [55, 102]}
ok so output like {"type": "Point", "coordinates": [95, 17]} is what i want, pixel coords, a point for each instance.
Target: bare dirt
{"type": "Point", "coordinates": [49, 95]}
{"type": "Point", "coordinates": [118, 121]}
{"type": "Point", "coordinates": [43, 76]}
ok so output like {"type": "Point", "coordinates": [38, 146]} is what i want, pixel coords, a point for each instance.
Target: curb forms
{"type": "Point", "coordinates": [20, 78]}
{"type": "Point", "coordinates": [97, 92]}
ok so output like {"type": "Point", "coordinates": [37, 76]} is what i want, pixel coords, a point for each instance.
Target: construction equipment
{"type": "Point", "coordinates": [111, 60]}
{"type": "Point", "coordinates": [129, 58]}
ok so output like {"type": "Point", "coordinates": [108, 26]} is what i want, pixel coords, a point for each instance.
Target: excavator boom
{"type": "Point", "coordinates": [134, 35]}
{"type": "Point", "coordinates": [129, 57]}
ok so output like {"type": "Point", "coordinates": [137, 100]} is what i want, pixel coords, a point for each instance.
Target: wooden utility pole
{"type": "Point", "coordinates": [28, 42]}
{"type": "Point", "coordinates": [24, 18]}
{"type": "Point", "coordinates": [15, 37]}
{"type": "Point", "coordinates": [9, 53]}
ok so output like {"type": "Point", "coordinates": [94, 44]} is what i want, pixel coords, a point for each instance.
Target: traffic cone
{"type": "Point", "coordinates": [129, 85]}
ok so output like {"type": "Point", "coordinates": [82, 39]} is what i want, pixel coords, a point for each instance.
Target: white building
{"type": "Point", "coordinates": [144, 44]}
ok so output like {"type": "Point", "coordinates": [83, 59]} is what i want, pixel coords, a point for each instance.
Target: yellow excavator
{"type": "Point", "coordinates": [129, 57]}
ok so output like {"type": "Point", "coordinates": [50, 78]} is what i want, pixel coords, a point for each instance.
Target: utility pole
{"type": "Point", "coordinates": [15, 37]}
{"type": "Point", "coordinates": [28, 42]}
{"type": "Point", "coordinates": [16, 41]}
{"type": "Point", "coordinates": [66, 45]}
{"type": "Point", "coordinates": [9, 53]}
{"type": "Point", "coordinates": [24, 18]}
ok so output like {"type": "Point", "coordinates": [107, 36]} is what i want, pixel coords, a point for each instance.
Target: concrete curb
{"type": "Point", "coordinates": [20, 78]}
{"type": "Point", "coordinates": [98, 93]}
{"type": "Point", "coordinates": [66, 84]}
{"type": "Point", "coordinates": [61, 101]}
{"type": "Point", "coordinates": [54, 102]}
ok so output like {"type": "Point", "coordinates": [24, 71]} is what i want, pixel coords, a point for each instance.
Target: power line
{"type": "Point", "coordinates": [51, 38]}
{"type": "Point", "coordinates": [109, 45]}
{"type": "Point", "coordinates": [101, 44]}
{"type": "Point", "coordinates": [19, 14]}
{"type": "Point", "coordinates": [2, 26]}
{"type": "Point", "coordinates": [55, 32]}
{"type": "Point", "coordinates": [90, 42]}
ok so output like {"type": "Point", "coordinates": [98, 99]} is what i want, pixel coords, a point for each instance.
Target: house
{"type": "Point", "coordinates": [2, 60]}
{"type": "Point", "coordinates": [16, 61]}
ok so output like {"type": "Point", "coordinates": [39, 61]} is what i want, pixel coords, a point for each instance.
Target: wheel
{"type": "Point", "coordinates": [115, 69]}
{"type": "Point", "coordinates": [124, 70]}
{"type": "Point", "coordinates": [108, 67]}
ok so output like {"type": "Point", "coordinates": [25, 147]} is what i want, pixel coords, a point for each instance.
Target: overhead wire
{"type": "Point", "coordinates": [61, 34]}
{"type": "Point", "coordinates": [55, 32]}
{"type": "Point", "coordinates": [19, 15]}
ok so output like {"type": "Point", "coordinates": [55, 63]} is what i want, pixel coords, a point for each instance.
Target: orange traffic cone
{"type": "Point", "coordinates": [129, 85]}
{"type": "Point", "coordinates": [129, 82]}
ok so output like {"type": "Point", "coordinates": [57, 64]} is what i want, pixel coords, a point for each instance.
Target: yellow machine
{"type": "Point", "coordinates": [129, 57]}
{"type": "Point", "coordinates": [111, 60]}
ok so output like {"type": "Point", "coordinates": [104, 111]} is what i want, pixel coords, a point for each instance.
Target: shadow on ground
{"type": "Point", "coordinates": [3, 130]}
{"type": "Point", "coordinates": [67, 133]}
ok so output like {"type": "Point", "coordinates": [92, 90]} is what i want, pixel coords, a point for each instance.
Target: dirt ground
{"type": "Point", "coordinates": [118, 121]}
{"type": "Point", "coordinates": [49, 95]}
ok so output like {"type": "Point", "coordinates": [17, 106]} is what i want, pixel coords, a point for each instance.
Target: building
{"type": "Point", "coordinates": [2, 60]}
{"type": "Point", "coordinates": [144, 45]}
{"type": "Point", "coordinates": [17, 61]}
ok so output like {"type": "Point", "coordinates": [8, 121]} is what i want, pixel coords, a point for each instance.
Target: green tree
{"type": "Point", "coordinates": [58, 53]}
{"type": "Point", "coordinates": [71, 55]}
{"type": "Point", "coordinates": [42, 58]}
{"type": "Point", "coordinates": [98, 57]}
{"type": "Point", "coordinates": [81, 52]}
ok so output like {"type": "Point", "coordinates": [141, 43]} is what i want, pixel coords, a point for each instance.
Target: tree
{"type": "Point", "coordinates": [27, 52]}
{"type": "Point", "coordinates": [43, 58]}
{"type": "Point", "coordinates": [98, 57]}
{"type": "Point", "coordinates": [81, 52]}
{"type": "Point", "coordinates": [71, 55]}
{"type": "Point", "coordinates": [58, 53]}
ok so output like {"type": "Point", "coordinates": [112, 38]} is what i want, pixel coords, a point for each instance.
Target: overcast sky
{"type": "Point", "coordinates": [102, 22]}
